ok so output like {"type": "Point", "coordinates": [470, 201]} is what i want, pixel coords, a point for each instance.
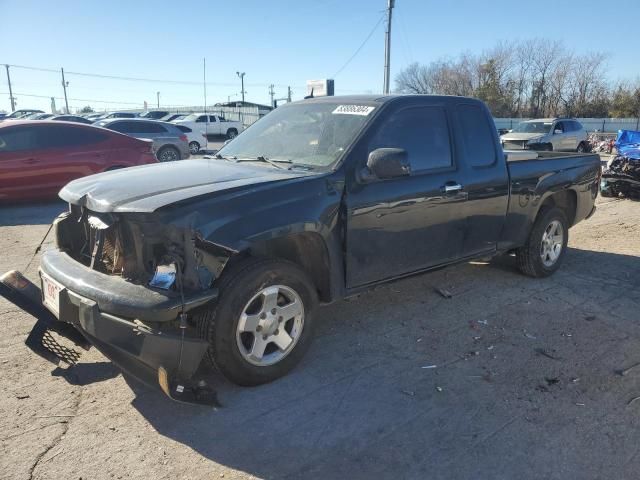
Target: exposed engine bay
{"type": "Point", "coordinates": [140, 249]}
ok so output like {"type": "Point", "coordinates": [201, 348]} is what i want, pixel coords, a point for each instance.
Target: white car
{"type": "Point", "coordinates": [197, 141]}
{"type": "Point", "coordinates": [210, 124]}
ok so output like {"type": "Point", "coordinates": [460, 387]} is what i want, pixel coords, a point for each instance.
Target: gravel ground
{"type": "Point", "coordinates": [525, 383]}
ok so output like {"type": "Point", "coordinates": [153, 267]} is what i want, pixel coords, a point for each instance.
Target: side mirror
{"type": "Point", "coordinates": [557, 131]}
{"type": "Point", "coordinates": [384, 163]}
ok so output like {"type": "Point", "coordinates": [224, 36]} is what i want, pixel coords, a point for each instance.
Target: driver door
{"type": "Point", "coordinates": [405, 224]}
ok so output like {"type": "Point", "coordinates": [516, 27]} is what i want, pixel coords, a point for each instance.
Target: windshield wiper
{"type": "Point", "coordinates": [261, 158]}
{"type": "Point", "coordinates": [225, 157]}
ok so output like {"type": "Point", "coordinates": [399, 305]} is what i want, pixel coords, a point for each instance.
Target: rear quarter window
{"type": "Point", "coordinates": [56, 136]}
{"type": "Point", "coordinates": [476, 135]}
{"type": "Point", "coordinates": [17, 139]}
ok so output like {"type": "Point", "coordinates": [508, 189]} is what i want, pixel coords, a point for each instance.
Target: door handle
{"type": "Point", "coordinates": [451, 187]}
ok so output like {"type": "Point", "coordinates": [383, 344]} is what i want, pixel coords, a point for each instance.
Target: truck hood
{"type": "Point", "coordinates": [519, 137]}
{"type": "Point", "coordinates": [150, 187]}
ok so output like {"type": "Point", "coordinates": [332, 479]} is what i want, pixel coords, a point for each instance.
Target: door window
{"type": "Point", "coordinates": [57, 136]}
{"type": "Point", "coordinates": [202, 119]}
{"type": "Point", "coordinates": [17, 139]}
{"type": "Point", "coordinates": [559, 126]}
{"type": "Point", "coordinates": [212, 118]}
{"type": "Point", "coordinates": [422, 131]}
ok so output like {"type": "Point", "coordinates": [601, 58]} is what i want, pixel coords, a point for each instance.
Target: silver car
{"type": "Point", "coordinates": [554, 134]}
{"type": "Point", "coordinates": [169, 142]}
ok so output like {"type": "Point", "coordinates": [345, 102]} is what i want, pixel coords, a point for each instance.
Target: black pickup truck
{"type": "Point", "coordinates": [229, 256]}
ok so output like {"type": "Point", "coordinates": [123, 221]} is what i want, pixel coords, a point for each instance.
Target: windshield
{"type": "Point", "coordinates": [312, 134]}
{"type": "Point", "coordinates": [533, 127]}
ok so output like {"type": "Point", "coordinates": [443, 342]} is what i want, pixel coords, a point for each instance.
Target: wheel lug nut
{"type": "Point", "coordinates": [280, 319]}
{"type": "Point", "coordinates": [258, 328]}
{"type": "Point", "coordinates": [264, 337]}
{"type": "Point", "coordinates": [273, 311]}
{"type": "Point", "coordinates": [276, 332]}
{"type": "Point", "coordinates": [263, 316]}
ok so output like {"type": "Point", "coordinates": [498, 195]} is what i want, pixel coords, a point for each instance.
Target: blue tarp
{"type": "Point", "coordinates": [628, 144]}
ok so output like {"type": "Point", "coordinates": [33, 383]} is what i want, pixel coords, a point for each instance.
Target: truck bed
{"type": "Point", "coordinates": [533, 179]}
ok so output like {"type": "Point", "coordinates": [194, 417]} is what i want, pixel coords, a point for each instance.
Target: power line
{"type": "Point", "coordinates": [361, 46]}
{"type": "Point", "coordinates": [91, 100]}
{"type": "Point", "coordinates": [139, 79]}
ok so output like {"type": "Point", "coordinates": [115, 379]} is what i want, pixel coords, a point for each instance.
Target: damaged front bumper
{"type": "Point", "coordinates": [142, 330]}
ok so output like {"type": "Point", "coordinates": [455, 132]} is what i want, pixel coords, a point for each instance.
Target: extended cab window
{"type": "Point", "coordinates": [202, 119]}
{"type": "Point", "coordinates": [422, 131]}
{"type": "Point", "coordinates": [477, 135]}
{"type": "Point", "coordinates": [212, 118]}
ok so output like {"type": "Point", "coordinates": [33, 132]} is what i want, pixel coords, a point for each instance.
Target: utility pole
{"type": "Point", "coordinates": [242, 92]}
{"type": "Point", "coordinates": [288, 94]}
{"type": "Point", "coordinates": [64, 86]}
{"type": "Point", "coordinates": [271, 94]}
{"type": "Point", "coordinates": [204, 84]}
{"type": "Point", "coordinates": [13, 101]}
{"type": "Point", "coordinates": [158, 95]}
{"type": "Point", "coordinates": [387, 47]}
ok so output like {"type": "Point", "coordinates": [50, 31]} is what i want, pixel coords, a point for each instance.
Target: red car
{"type": "Point", "coordinates": [37, 158]}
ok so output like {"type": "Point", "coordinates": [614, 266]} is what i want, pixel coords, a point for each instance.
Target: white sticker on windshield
{"type": "Point", "coordinates": [353, 110]}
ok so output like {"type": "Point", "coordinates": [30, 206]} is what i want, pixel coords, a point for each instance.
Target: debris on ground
{"type": "Point", "coordinates": [529, 335]}
{"type": "Point", "coordinates": [430, 366]}
{"type": "Point", "coordinates": [632, 400]}
{"type": "Point", "coordinates": [411, 393]}
{"type": "Point", "coordinates": [443, 292]}
{"type": "Point", "coordinates": [439, 389]}
{"type": "Point", "coordinates": [551, 380]}
{"type": "Point", "coordinates": [590, 318]}
{"type": "Point", "coordinates": [627, 370]}
{"type": "Point", "coordinates": [22, 397]}
{"type": "Point", "coordinates": [483, 322]}
{"type": "Point", "coordinates": [544, 353]}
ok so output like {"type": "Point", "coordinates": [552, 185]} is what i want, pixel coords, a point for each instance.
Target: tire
{"type": "Point", "coordinates": [530, 257]}
{"type": "Point", "coordinates": [549, 147]}
{"type": "Point", "coordinates": [581, 148]}
{"type": "Point", "coordinates": [194, 147]}
{"type": "Point", "coordinates": [168, 154]}
{"type": "Point", "coordinates": [241, 295]}
{"type": "Point", "coordinates": [232, 133]}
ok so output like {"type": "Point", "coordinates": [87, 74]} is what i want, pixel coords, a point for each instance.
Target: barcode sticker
{"type": "Point", "coordinates": [353, 110]}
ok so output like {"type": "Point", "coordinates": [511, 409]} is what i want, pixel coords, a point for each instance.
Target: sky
{"type": "Point", "coordinates": [280, 42]}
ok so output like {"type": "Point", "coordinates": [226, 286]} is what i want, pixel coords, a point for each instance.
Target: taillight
{"type": "Point", "coordinates": [183, 137]}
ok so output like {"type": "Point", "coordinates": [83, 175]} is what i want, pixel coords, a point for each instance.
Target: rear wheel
{"type": "Point", "coordinates": [168, 154]}
{"type": "Point", "coordinates": [194, 147]}
{"type": "Point", "coordinates": [232, 133]}
{"type": "Point", "coordinates": [261, 324]}
{"type": "Point", "coordinates": [545, 248]}
{"type": "Point", "coordinates": [581, 148]}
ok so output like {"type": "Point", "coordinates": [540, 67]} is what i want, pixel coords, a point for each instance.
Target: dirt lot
{"type": "Point", "coordinates": [525, 383]}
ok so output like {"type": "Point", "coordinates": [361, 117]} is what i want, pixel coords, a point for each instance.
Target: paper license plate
{"type": "Point", "coordinates": [51, 294]}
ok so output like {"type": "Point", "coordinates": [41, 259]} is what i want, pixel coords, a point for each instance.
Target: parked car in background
{"type": "Point", "coordinates": [38, 116]}
{"type": "Point", "coordinates": [18, 114]}
{"type": "Point", "coordinates": [37, 158]}
{"type": "Point", "coordinates": [211, 124]}
{"type": "Point", "coordinates": [552, 134]}
{"type": "Point", "coordinates": [120, 115]}
{"type": "Point", "coordinates": [72, 118]}
{"type": "Point", "coordinates": [197, 141]}
{"type": "Point", "coordinates": [94, 117]}
{"type": "Point", "coordinates": [169, 142]}
{"type": "Point", "coordinates": [154, 114]}
{"type": "Point", "coordinates": [173, 116]}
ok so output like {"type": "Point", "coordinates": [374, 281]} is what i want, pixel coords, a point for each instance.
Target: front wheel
{"type": "Point", "coordinates": [545, 248]}
{"type": "Point", "coordinates": [582, 148]}
{"type": "Point", "coordinates": [261, 324]}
